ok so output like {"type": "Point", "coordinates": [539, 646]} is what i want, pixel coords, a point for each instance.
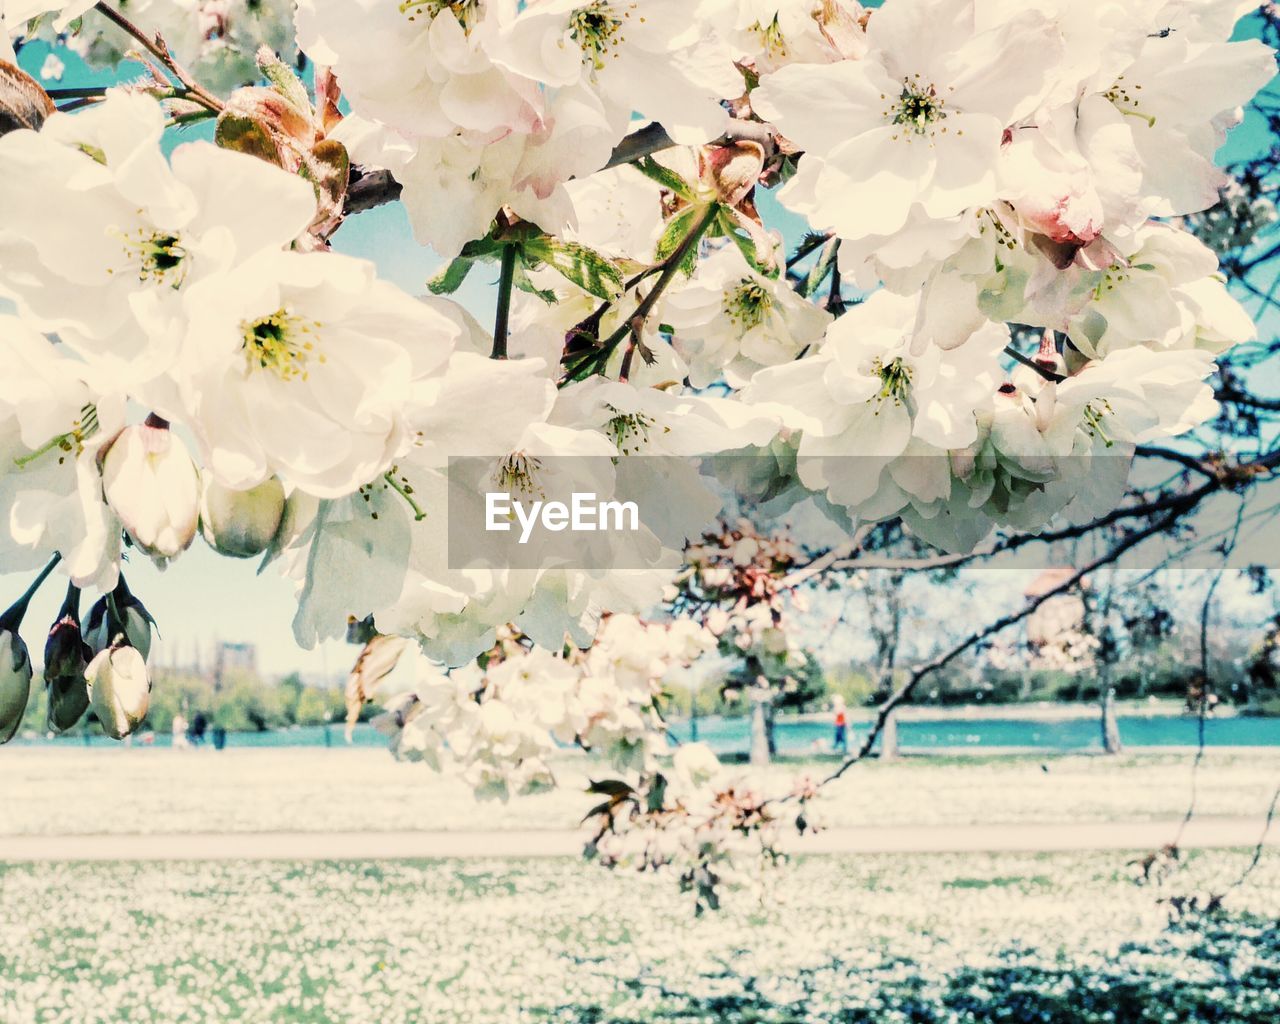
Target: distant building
{"type": "Point", "coordinates": [233, 657]}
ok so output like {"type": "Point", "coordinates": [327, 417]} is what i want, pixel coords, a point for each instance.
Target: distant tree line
{"type": "Point", "coordinates": [245, 702]}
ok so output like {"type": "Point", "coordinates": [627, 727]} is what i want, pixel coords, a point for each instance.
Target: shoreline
{"type": "Point", "coordinates": [1039, 711]}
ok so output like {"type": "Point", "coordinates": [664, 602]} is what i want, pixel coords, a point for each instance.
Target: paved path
{"type": "Point", "coordinates": [1201, 833]}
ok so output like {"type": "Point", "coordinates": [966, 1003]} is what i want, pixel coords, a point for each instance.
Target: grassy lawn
{"type": "Point", "coordinates": [1016, 938]}
{"type": "Point", "coordinates": [75, 791]}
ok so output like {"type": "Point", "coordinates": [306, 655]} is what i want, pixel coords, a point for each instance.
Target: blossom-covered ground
{"type": "Point", "coordinates": [75, 791]}
{"type": "Point", "coordinates": [976, 938]}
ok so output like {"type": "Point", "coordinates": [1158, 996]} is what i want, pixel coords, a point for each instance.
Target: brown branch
{"type": "Point", "coordinates": [824, 562]}
{"type": "Point", "coordinates": [1172, 455]}
{"type": "Point", "coordinates": [1231, 395]}
{"type": "Point", "coordinates": [156, 46]}
{"type": "Point", "coordinates": [370, 188]}
{"type": "Point", "coordinates": [1004, 622]}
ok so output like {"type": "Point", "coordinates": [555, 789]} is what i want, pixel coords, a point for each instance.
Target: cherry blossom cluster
{"type": "Point", "coordinates": [714, 830]}
{"type": "Point", "coordinates": [734, 582]}
{"type": "Point", "coordinates": [996, 299]}
{"type": "Point", "coordinates": [499, 720]}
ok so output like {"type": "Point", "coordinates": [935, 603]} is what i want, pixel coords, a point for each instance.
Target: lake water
{"type": "Point", "coordinates": [731, 735]}
{"type": "Point", "coordinates": [726, 735]}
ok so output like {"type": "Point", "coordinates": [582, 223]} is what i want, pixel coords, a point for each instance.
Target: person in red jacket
{"type": "Point", "coordinates": [842, 725]}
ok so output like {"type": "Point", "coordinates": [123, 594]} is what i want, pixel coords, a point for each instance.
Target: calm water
{"type": "Point", "coordinates": [728, 735]}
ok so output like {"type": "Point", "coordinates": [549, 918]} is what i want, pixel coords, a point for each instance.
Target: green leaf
{"type": "Point", "coordinates": [328, 168]}
{"type": "Point", "coordinates": [522, 281]}
{"type": "Point", "coordinates": [585, 267]}
{"type": "Point", "coordinates": [657, 795]}
{"type": "Point", "coordinates": [596, 811]}
{"type": "Point", "coordinates": [245, 135]}
{"type": "Point", "coordinates": [676, 231]}
{"type": "Point", "coordinates": [486, 248]}
{"type": "Point", "coordinates": [450, 279]}
{"type": "Point", "coordinates": [665, 177]}
{"type": "Point", "coordinates": [610, 787]}
{"type": "Point", "coordinates": [286, 83]}
{"type": "Point", "coordinates": [731, 229]}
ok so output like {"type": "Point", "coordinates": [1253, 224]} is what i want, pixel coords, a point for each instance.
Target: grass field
{"type": "Point", "coordinates": [76, 791]}
{"type": "Point", "coordinates": [1020, 938]}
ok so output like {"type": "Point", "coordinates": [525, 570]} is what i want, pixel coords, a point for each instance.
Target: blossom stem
{"type": "Point", "coordinates": [1044, 371]}
{"type": "Point", "coordinates": [87, 101]}
{"type": "Point", "coordinates": [635, 323]}
{"type": "Point", "coordinates": [157, 48]}
{"type": "Point", "coordinates": [12, 618]}
{"type": "Point", "coordinates": [87, 92]}
{"type": "Point", "coordinates": [502, 320]}
{"type": "Point", "coordinates": [807, 245]}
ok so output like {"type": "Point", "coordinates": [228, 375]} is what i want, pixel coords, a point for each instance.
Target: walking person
{"type": "Point", "coordinates": [841, 743]}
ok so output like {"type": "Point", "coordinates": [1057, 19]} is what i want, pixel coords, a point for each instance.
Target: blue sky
{"type": "Point", "coordinates": [203, 598]}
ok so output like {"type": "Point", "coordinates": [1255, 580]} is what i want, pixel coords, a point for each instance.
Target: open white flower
{"type": "Point", "coordinates": [873, 394]}
{"type": "Point", "coordinates": [733, 320]}
{"type": "Point", "coordinates": [300, 365]}
{"type": "Point", "coordinates": [1176, 94]}
{"type": "Point", "coordinates": [660, 58]}
{"type": "Point", "coordinates": [454, 185]}
{"type": "Point", "coordinates": [1135, 300]}
{"type": "Point", "coordinates": [769, 34]}
{"type": "Point", "coordinates": [921, 116]}
{"type": "Point", "coordinates": [52, 428]}
{"type": "Point", "coordinates": [421, 67]}
{"type": "Point", "coordinates": [130, 232]}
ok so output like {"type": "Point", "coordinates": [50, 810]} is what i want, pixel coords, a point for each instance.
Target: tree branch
{"type": "Point", "coordinates": [1004, 622]}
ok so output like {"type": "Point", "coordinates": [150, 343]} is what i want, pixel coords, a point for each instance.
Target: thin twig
{"type": "Point", "coordinates": [1202, 711]}
{"type": "Point", "coordinates": [156, 46]}
{"type": "Point", "coordinates": [1031, 364]}
{"type": "Point", "coordinates": [1261, 844]}
{"type": "Point", "coordinates": [1004, 622]}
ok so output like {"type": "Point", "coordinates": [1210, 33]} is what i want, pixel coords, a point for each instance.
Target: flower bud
{"type": "Point", "coordinates": [133, 620]}
{"type": "Point", "coordinates": [241, 524]}
{"type": "Point", "coordinates": [119, 689]}
{"type": "Point", "coordinates": [65, 659]}
{"type": "Point", "coordinates": [15, 662]}
{"type": "Point", "coordinates": [731, 170]}
{"type": "Point", "coordinates": [148, 478]}
{"type": "Point", "coordinates": [15, 683]}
